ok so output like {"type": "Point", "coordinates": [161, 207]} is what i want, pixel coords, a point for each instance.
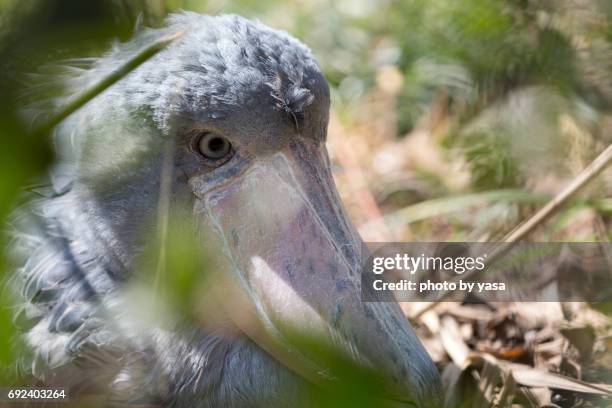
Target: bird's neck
{"type": "Point", "coordinates": [183, 367]}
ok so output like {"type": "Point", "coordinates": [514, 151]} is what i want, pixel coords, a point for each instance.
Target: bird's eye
{"type": "Point", "coordinates": [213, 146]}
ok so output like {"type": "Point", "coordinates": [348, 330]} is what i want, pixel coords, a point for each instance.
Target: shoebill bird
{"type": "Point", "coordinates": [237, 115]}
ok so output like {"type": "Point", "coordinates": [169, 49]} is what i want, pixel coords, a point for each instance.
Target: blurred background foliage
{"type": "Point", "coordinates": [450, 120]}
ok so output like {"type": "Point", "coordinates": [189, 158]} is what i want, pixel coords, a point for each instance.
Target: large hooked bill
{"type": "Point", "coordinates": [298, 260]}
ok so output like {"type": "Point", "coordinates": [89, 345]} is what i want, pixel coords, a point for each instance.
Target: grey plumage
{"type": "Point", "coordinates": [79, 244]}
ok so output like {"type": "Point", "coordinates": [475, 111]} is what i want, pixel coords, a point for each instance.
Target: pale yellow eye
{"type": "Point", "coordinates": [213, 146]}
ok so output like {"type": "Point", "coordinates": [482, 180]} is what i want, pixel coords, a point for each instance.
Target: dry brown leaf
{"type": "Point", "coordinates": [581, 337]}
{"type": "Point", "coordinates": [434, 348]}
{"type": "Point", "coordinates": [537, 397]}
{"type": "Point", "coordinates": [453, 343]}
{"type": "Point", "coordinates": [548, 355]}
{"type": "Point", "coordinates": [537, 314]}
{"type": "Point", "coordinates": [490, 377]}
{"type": "Point", "coordinates": [533, 377]}
{"type": "Point", "coordinates": [505, 353]}
{"type": "Point", "coordinates": [506, 395]}
{"type": "Point", "coordinates": [471, 313]}
{"type": "Point", "coordinates": [431, 320]}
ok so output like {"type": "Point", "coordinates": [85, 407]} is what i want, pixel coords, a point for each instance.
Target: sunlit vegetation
{"type": "Point", "coordinates": [451, 121]}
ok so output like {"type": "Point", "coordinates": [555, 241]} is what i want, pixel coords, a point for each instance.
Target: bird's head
{"type": "Point", "coordinates": [236, 113]}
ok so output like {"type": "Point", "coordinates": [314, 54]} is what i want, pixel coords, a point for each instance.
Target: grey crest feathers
{"type": "Point", "coordinates": [214, 65]}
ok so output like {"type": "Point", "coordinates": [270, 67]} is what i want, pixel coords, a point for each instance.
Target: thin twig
{"type": "Point", "coordinates": [527, 227]}
{"type": "Point", "coordinates": [82, 98]}
{"type": "Point", "coordinates": [585, 176]}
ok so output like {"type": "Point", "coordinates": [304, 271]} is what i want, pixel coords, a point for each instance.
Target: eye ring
{"type": "Point", "coordinates": [213, 147]}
